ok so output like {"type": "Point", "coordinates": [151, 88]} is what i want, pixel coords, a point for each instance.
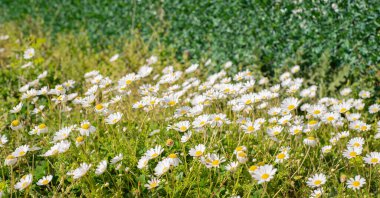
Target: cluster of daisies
{"type": "Point", "coordinates": [202, 112]}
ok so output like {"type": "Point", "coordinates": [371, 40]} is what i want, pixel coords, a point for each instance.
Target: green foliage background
{"type": "Point", "coordinates": [268, 34]}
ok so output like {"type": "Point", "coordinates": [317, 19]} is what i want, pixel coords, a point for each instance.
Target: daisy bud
{"type": "Point", "coordinates": [342, 178]}
{"type": "Point", "coordinates": [169, 142]}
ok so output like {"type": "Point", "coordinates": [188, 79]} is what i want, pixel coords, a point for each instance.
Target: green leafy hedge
{"type": "Point", "coordinates": [266, 33]}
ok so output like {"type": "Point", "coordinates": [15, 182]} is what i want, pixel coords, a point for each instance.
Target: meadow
{"type": "Point", "coordinates": [100, 114]}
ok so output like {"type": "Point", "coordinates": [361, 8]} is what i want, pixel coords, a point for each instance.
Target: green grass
{"type": "Point", "coordinates": [69, 56]}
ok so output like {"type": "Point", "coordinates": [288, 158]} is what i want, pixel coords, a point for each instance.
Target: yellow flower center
{"type": "Point", "coordinates": [25, 184]}
{"type": "Point", "coordinates": [10, 157]}
{"type": "Point", "coordinates": [80, 139]}
{"type": "Point", "coordinates": [281, 156]}
{"type": "Point", "coordinates": [183, 128]}
{"type": "Point", "coordinates": [215, 163]}
{"type": "Point", "coordinates": [374, 160]}
{"type": "Point", "coordinates": [330, 118]}
{"type": "Point", "coordinates": [154, 155]}
{"type": "Point", "coordinates": [198, 153]}
{"type": "Point", "coordinates": [317, 182]}
{"type": "Point", "coordinates": [128, 82]}
{"type": "Point", "coordinates": [99, 107]}
{"type": "Point", "coordinates": [353, 154]}
{"type": "Point", "coordinates": [239, 148]}
{"type": "Point", "coordinates": [342, 110]}
{"type": "Point", "coordinates": [242, 154]}
{"type": "Point", "coordinates": [248, 102]}
{"type": "Point", "coordinates": [296, 131]}
{"type": "Point", "coordinates": [356, 183]}
{"type": "Point", "coordinates": [85, 126]}
{"type": "Point", "coordinates": [45, 182]}
{"type": "Point", "coordinates": [311, 138]}
{"type": "Point", "coordinates": [356, 144]}
{"type": "Point", "coordinates": [313, 122]}
{"type": "Point", "coordinates": [250, 128]}
{"type": "Point", "coordinates": [153, 184]}
{"type": "Point", "coordinates": [172, 103]}
{"type": "Point", "coordinates": [173, 155]}
{"type": "Point", "coordinates": [317, 112]}
{"type": "Point", "coordinates": [253, 168]}
{"type": "Point", "coordinates": [291, 107]}
{"type": "Point", "coordinates": [22, 153]}
{"type": "Point", "coordinates": [364, 127]}
{"type": "Point", "coordinates": [218, 118]}
{"type": "Point", "coordinates": [15, 123]}
{"type": "Point", "coordinates": [265, 176]}
{"type": "Point", "coordinates": [41, 126]}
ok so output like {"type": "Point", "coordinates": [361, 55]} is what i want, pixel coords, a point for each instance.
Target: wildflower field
{"type": "Point", "coordinates": [134, 119]}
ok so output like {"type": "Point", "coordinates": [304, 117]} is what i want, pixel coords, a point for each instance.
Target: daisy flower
{"type": "Point", "coordinates": [58, 148]}
{"type": "Point", "coordinates": [101, 108]}
{"type": "Point", "coordinates": [197, 151]}
{"type": "Point", "coordinates": [357, 142]}
{"type": "Point", "coordinates": [316, 180]}
{"type": "Point", "coordinates": [352, 152]}
{"type": "Point", "coordinates": [182, 126]}
{"type": "Point", "coordinates": [101, 168]}
{"type": "Point", "coordinates": [16, 125]}
{"type": "Point", "coordinates": [62, 134]}
{"type": "Point", "coordinates": [174, 160]}
{"type": "Point", "coordinates": [45, 180]}
{"type": "Point", "coordinates": [186, 137]}
{"type": "Point", "coordinates": [364, 94]}
{"type": "Point", "coordinates": [24, 182]}
{"type": "Point", "coordinates": [3, 140]}
{"type": "Point", "coordinates": [281, 157]}
{"type": "Point", "coordinates": [153, 183]}
{"type": "Point", "coordinates": [372, 158]}
{"type": "Point", "coordinates": [374, 108]}
{"type": "Point", "coordinates": [310, 141]}
{"type": "Point", "coordinates": [117, 159]}
{"type": "Point", "coordinates": [162, 167]}
{"type": "Point", "coordinates": [29, 53]}
{"type": "Point", "coordinates": [17, 108]}
{"type": "Point", "coordinates": [345, 91]}
{"type": "Point", "coordinates": [80, 172]}
{"type": "Point", "coordinates": [290, 103]}
{"type": "Point", "coordinates": [232, 167]}
{"type": "Point", "coordinates": [326, 149]}
{"type": "Point", "coordinates": [21, 151]}
{"type": "Point", "coordinates": [356, 183]}
{"type": "Point", "coordinates": [10, 160]}
{"type": "Point", "coordinates": [143, 162]}
{"type": "Point", "coordinates": [317, 193]}
{"type": "Point", "coordinates": [86, 128]}
{"type": "Point", "coordinates": [212, 160]}
{"type": "Point", "coordinates": [114, 118]}
{"type": "Point", "coordinates": [154, 152]}
{"type": "Point", "coordinates": [264, 173]}
{"type": "Point", "coordinates": [250, 127]}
